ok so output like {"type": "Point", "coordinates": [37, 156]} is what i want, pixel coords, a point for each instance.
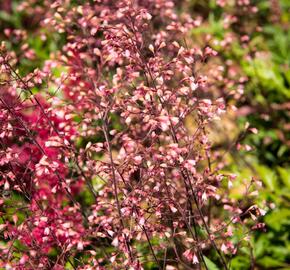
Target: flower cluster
{"type": "Point", "coordinates": [97, 159]}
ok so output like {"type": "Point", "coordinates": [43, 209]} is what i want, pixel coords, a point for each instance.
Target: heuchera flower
{"type": "Point", "coordinates": [106, 162]}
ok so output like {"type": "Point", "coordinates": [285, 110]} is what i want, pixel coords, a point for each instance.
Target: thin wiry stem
{"type": "Point", "coordinates": [115, 186]}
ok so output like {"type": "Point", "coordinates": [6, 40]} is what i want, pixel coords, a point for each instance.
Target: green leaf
{"type": "Point", "coordinates": [240, 263]}
{"type": "Point", "coordinates": [285, 176]}
{"type": "Point", "coordinates": [269, 262]}
{"type": "Point", "coordinates": [260, 245]}
{"type": "Point", "coordinates": [210, 265]}
{"type": "Point", "coordinates": [278, 218]}
{"type": "Point", "coordinates": [268, 176]}
{"type": "Point", "coordinates": [68, 266]}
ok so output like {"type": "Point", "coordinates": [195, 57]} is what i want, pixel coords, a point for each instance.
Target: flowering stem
{"type": "Point", "coordinates": [105, 131]}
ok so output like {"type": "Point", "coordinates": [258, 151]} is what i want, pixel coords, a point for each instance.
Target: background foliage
{"type": "Point", "coordinates": [266, 107]}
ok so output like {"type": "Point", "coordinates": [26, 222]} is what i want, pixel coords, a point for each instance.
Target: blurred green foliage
{"type": "Point", "coordinates": [270, 249]}
{"type": "Point", "coordinates": [30, 23]}
{"type": "Point", "coordinates": [267, 94]}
